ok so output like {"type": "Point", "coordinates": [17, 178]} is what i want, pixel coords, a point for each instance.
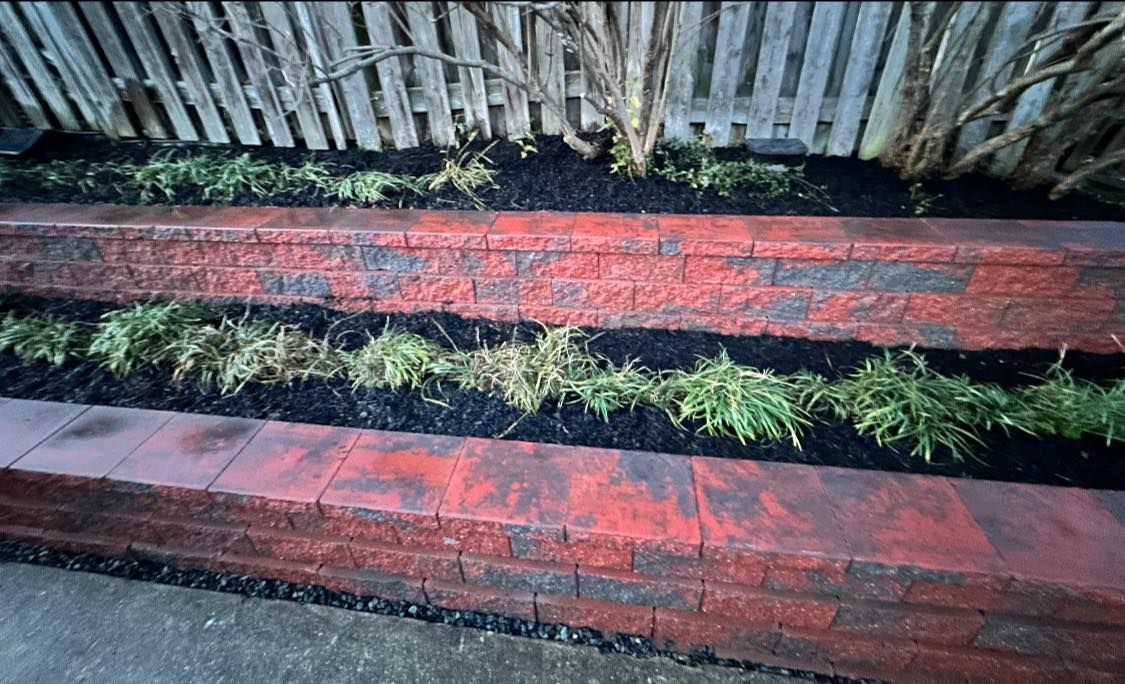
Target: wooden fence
{"type": "Point", "coordinates": [824, 72]}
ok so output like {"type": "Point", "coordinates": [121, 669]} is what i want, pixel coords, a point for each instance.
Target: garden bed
{"type": "Point", "coordinates": [554, 178]}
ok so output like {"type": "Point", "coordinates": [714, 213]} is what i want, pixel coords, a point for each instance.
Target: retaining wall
{"type": "Point", "coordinates": [964, 283]}
{"type": "Point", "coordinates": [856, 573]}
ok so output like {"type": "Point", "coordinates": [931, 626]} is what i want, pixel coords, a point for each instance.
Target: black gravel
{"type": "Point", "coordinates": [148, 571]}
{"type": "Point", "coordinates": [555, 178]}
{"type": "Point", "coordinates": [1088, 463]}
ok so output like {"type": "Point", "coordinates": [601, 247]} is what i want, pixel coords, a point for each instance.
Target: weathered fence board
{"type": "Point", "coordinates": [771, 68]}
{"type": "Point", "coordinates": [391, 81]}
{"type": "Point", "coordinates": [864, 52]}
{"type": "Point", "coordinates": [827, 19]}
{"type": "Point", "coordinates": [729, 47]}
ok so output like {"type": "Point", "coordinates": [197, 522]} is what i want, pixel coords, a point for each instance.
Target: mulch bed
{"type": "Point", "coordinates": [556, 179]}
{"type": "Point", "coordinates": [1020, 458]}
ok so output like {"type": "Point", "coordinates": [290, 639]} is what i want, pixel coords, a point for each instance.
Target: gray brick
{"type": "Point", "coordinates": [903, 276]}
{"type": "Point", "coordinates": [836, 275]}
{"type": "Point", "coordinates": [391, 259]}
{"type": "Point", "coordinates": [69, 249]}
{"type": "Point", "coordinates": [297, 284]}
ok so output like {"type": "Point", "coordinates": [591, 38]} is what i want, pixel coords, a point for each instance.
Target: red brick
{"type": "Point", "coordinates": [549, 231]}
{"type": "Point", "coordinates": [450, 229]}
{"type": "Point", "coordinates": [931, 625]}
{"type": "Point", "coordinates": [812, 331]}
{"type": "Point", "coordinates": [764, 606]}
{"type": "Point", "coordinates": [535, 292]}
{"type": "Point", "coordinates": [500, 291]}
{"type": "Point", "coordinates": [557, 265]}
{"type": "Point", "coordinates": [552, 315]}
{"type": "Point", "coordinates": [369, 582]}
{"type": "Point", "coordinates": [744, 567]}
{"type": "Point", "coordinates": [1029, 636]}
{"type": "Point", "coordinates": [436, 289]}
{"type": "Point", "coordinates": [287, 462]}
{"type": "Point", "coordinates": [300, 547]}
{"type": "Point", "coordinates": [954, 309]}
{"type": "Point", "coordinates": [857, 306]}
{"type": "Point", "coordinates": [489, 312]}
{"type": "Point", "coordinates": [1023, 281]}
{"type": "Point", "coordinates": [729, 270]}
{"type": "Point", "coordinates": [163, 278]}
{"type": "Point", "coordinates": [953, 663]}
{"type": "Point", "coordinates": [1010, 255]}
{"type": "Point", "coordinates": [405, 561]}
{"type": "Point", "coordinates": [677, 299]}
{"type": "Point", "coordinates": [269, 568]}
{"type": "Point", "coordinates": [25, 424]}
{"type": "Point", "coordinates": [480, 599]}
{"type": "Point", "coordinates": [155, 252]}
{"type": "Point", "coordinates": [614, 233]}
{"type": "Point", "coordinates": [188, 451]}
{"type": "Point", "coordinates": [210, 537]}
{"type": "Point", "coordinates": [800, 249]}
{"type": "Point", "coordinates": [771, 302]}
{"type": "Point", "coordinates": [598, 553]}
{"type": "Point", "coordinates": [628, 587]}
{"type": "Point", "coordinates": [93, 443]}
{"type": "Point", "coordinates": [983, 593]}
{"type": "Point", "coordinates": [379, 286]}
{"type": "Point", "coordinates": [1086, 315]}
{"type": "Point", "coordinates": [800, 237]}
{"type": "Point", "coordinates": [653, 269]}
{"type": "Point", "coordinates": [724, 325]}
{"type": "Point", "coordinates": [901, 519]}
{"type": "Point", "coordinates": [74, 542]}
{"type": "Point", "coordinates": [518, 574]}
{"type": "Point", "coordinates": [903, 252]}
{"type": "Point", "coordinates": [806, 574]}
{"type": "Point", "coordinates": [593, 294]}
{"type": "Point", "coordinates": [606, 617]}
{"type": "Point", "coordinates": [472, 262]}
{"type": "Point", "coordinates": [721, 236]}
{"type": "Point", "coordinates": [183, 558]}
{"type": "Point", "coordinates": [883, 658]}
{"type": "Point", "coordinates": [338, 225]}
{"type": "Point", "coordinates": [231, 281]}
{"type": "Point", "coordinates": [686, 632]}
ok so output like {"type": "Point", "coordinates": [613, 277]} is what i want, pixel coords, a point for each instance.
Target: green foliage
{"type": "Point", "coordinates": [369, 187]}
{"type": "Point", "coordinates": [141, 334]}
{"type": "Point", "coordinates": [234, 353]}
{"type": "Point", "coordinates": [218, 177]}
{"type": "Point", "coordinates": [467, 171]}
{"type": "Point", "coordinates": [1061, 404]}
{"type": "Point", "coordinates": [394, 359]}
{"type": "Point", "coordinates": [527, 145]}
{"type": "Point", "coordinates": [605, 390]}
{"type": "Point", "coordinates": [899, 399]}
{"type": "Point", "coordinates": [729, 400]}
{"type": "Point", "coordinates": [59, 174]}
{"type": "Point", "coordinates": [692, 162]}
{"type": "Point", "coordinates": [620, 157]}
{"type": "Point", "coordinates": [47, 339]}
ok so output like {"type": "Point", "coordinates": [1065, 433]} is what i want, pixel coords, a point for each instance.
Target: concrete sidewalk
{"type": "Point", "coordinates": [61, 626]}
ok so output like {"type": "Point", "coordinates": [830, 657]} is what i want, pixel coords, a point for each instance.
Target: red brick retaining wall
{"type": "Point", "coordinates": [938, 282]}
{"type": "Point", "coordinates": [851, 572]}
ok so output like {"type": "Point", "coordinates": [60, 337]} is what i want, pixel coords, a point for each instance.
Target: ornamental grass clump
{"type": "Point", "coordinates": [609, 388]}
{"type": "Point", "coordinates": [234, 353]}
{"type": "Point", "coordinates": [1061, 404]}
{"type": "Point", "coordinates": [729, 400]}
{"type": "Point", "coordinates": [219, 178]}
{"type": "Point", "coordinates": [45, 338]}
{"type": "Point", "coordinates": [394, 359]}
{"type": "Point", "coordinates": [898, 399]}
{"type": "Point", "coordinates": [369, 187]}
{"type": "Point", "coordinates": [142, 334]}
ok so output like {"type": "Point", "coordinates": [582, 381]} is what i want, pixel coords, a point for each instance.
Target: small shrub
{"type": "Point", "coordinates": [1061, 404]}
{"type": "Point", "coordinates": [47, 338]}
{"type": "Point", "coordinates": [693, 162]}
{"type": "Point", "coordinates": [394, 359]}
{"type": "Point", "coordinates": [728, 400]}
{"type": "Point", "coordinates": [605, 390]}
{"type": "Point", "coordinates": [219, 178]}
{"type": "Point", "coordinates": [141, 334]}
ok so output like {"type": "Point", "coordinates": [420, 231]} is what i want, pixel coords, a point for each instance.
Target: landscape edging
{"type": "Point", "coordinates": [839, 571]}
{"type": "Point", "coordinates": [963, 283]}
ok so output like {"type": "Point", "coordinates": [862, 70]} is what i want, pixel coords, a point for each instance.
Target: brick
{"type": "Point", "coordinates": [676, 299]}
{"type": "Point", "coordinates": [164, 278]}
{"type": "Point", "coordinates": [557, 265]}
{"type": "Point", "coordinates": [68, 249]}
{"type": "Point", "coordinates": [903, 335]}
{"type": "Point", "coordinates": [598, 553]}
{"type": "Point", "coordinates": [498, 291]}
{"type": "Point", "coordinates": [729, 270]}
{"type": "Point", "coordinates": [367, 582]}
{"type": "Point", "coordinates": [154, 252]}
{"type": "Point", "coordinates": [74, 542]}
{"type": "Point", "coordinates": [612, 321]}
{"type": "Point", "coordinates": [1010, 255]}
{"type": "Point", "coordinates": [606, 617]}
{"type": "Point", "coordinates": [705, 236]}
{"type": "Point", "coordinates": [188, 451]}
{"type": "Point", "coordinates": [931, 625]}
{"type": "Point", "coordinates": [892, 276]}
{"type": "Point", "coordinates": [594, 294]}
{"type": "Point", "coordinates": [954, 663]}
{"type": "Point", "coordinates": [209, 537]}
{"type": "Point", "coordinates": [806, 574]}
{"type": "Point", "coordinates": [771, 302]}
{"type": "Point", "coordinates": [627, 587]}
{"type": "Point", "coordinates": [289, 462]}
{"type": "Point", "coordinates": [93, 443]}
{"type": "Point", "coordinates": [800, 249]}
{"type": "Point", "coordinates": [182, 558]}
{"type": "Point", "coordinates": [857, 306]}
{"type": "Point", "coordinates": [765, 507]}
{"type": "Point", "coordinates": [839, 275]}
{"type": "Point", "coordinates": [764, 606]}
{"type": "Point", "coordinates": [1101, 282]}
{"type": "Point", "coordinates": [290, 546]}
{"type": "Point", "coordinates": [364, 285]}
{"type": "Point", "coordinates": [614, 233]}
{"type": "Point", "coordinates": [519, 575]}
{"type": "Point", "coordinates": [812, 330]}
{"type": "Point", "coordinates": [1050, 534]}
{"type": "Point", "coordinates": [983, 593]}
{"type": "Point", "coordinates": [480, 599]}
{"type": "Point", "coordinates": [724, 325]}
{"type": "Point", "coordinates": [553, 315]}
{"type": "Point", "coordinates": [744, 567]}
{"type": "Point", "coordinates": [296, 284]}
{"type": "Point", "coordinates": [338, 225]}
{"type": "Point", "coordinates": [882, 658]}
{"type": "Point", "coordinates": [535, 292]}
{"type": "Point", "coordinates": [1083, 315]}
{"type": "Point", "coordinates": [240, 282]}
{"type": "Point", "coordinates": [800, 237]}
{"type": "Point", "coordinates": [956, 309]}
{"type": "Point", "coordinates": [407, 561]}
{"type": "Point", "coordinates": [903, 252]}
{"type": "Point", "coordinates": [450, 229]}
{"type": "Point", "coordinates": [914, 520]}
{"type": "Point", "coordinates": [546, 231]}
{"type": "Point", "coordinates": [491, 312]}
{"type": "Point", "coordinates": [1028, 636]}
{"type": "Point", "coordinates": [387, 479]}
{"type": "Point", "coordinates": [1023, 281]}
{"type": "Point", "coordinates": [641, 267]}
{"type": "Point", "coordinates": [472, 262]}
{"type": "Point", "coordinates": [25, 424]}
{"type": "Point", "coordinates": [436, 289]}
{"type": "Point", "coordinates": [396, 259]}
{"type": "Point", "coordinates": [687, 632]}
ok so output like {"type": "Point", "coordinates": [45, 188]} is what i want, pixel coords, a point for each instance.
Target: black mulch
{"type": "Point", "coordinates": [555, 178]}
{"type": "Point", "coordinates": [1088, 463]}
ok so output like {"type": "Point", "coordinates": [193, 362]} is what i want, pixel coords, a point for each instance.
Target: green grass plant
{"type": "Point", "coordinates": [142, 334]}
{"type": "Point", "coordinates": [610, 388]}
{"type": "Point", "coordinates": [1061, 404]}
{"type": "Point", "coordinates": [368, 187]}
{"type": "Point", "coordinates": [46, 338]}
{"type": "Point", "coordinates": [393, 359]}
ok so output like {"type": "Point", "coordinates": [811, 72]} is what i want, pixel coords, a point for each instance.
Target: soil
{"type": "Point", "coordinates": [150, 571]}
{"type": "Point", "coordinates": [555, 178]}
{"type": "Point", "coordinates": [1087, 463]}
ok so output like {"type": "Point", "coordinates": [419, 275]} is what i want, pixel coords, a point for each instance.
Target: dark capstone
{"type": "Point", "coordinates": [15, 142]}
{"type": "Point", "coordinates": [787, 151]}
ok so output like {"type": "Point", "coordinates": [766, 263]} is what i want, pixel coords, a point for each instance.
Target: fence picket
{"type": "Point", "coordinates": [873, 17]}
{"type": "Point", "coordinates": [285, 44]}
{"type": "Point", "coordinates": [230, 91]}
{"type": "Point", "coordinates": [824, 30]}
{"type": "Point", "coordinates": [419, 16]}
{"type": "Point", "coordinates": [21, 91]}
{"type": "Point", "coordinates": [466, 45]}
{"type": "Point", "coordinates": [516, 116]}
{"type": "Point", "coordinates": [323, 92]}
{"type": "Point", "coordinates": [184, 52]}
{"type": "Point", "coordinates": [770, 68]}
{"type": "Point", "coordinates": [340, 42]}
{"type": "Point", "coordinates": [681, 70]}
{"type": "Point", "coordinates": [392, 84]}
{"type": "Point", "coordinates": [550, 71]}
{"type": "Point", "coordinates": [257, 70]}
{"type": "Point", "coordinates": [725, 72]}
{"type": "Point", "coordinates": [881, 120]}
{"type": "Point", "coordinates": [155, 61]}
